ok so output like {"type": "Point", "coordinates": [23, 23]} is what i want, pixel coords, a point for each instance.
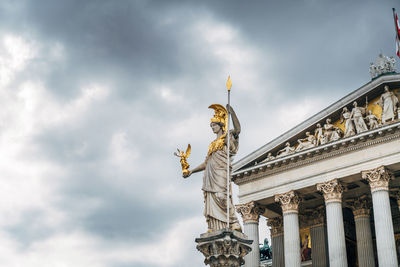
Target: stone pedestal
{"type": "Point", "coordinates": [224, 248]}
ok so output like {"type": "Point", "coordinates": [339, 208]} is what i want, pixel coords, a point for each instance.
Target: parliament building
{"type": "Point", "coordinates": [330, 187]}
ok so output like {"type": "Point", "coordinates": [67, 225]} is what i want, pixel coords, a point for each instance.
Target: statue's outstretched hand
{"type": "Point", "coordinates": [186, 175]}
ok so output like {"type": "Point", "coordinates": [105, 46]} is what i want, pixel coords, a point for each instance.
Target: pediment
{"type": "Point", "coordinates": [368, 99]}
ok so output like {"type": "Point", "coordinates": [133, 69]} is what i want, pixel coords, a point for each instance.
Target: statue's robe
{"type": "Point", "coordinates": [389, 101]}
{"type": "Point", "coordinates": [215, 187]}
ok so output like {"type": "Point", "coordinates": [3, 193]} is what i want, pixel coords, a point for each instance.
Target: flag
{"type": "Point", "coordinates": [397, 27]}
{"type": "Point", "coordinates": [229, 83]}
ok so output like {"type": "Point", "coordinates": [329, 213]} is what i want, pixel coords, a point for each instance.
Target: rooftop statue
{"type": "Point", "coordinates": [215, 170]}
{"type": "Point", "coordinates": [372, 120]}
{"type": "Point", "coordinates": [382, 65]}
{"type": "Point", "coordinates": [328, 130]}
{"type": "Point", "coordinates": [357, 114]}
{"type": "Point", "coordinates": [348, 123]}
{"type": "Point", "coordinates": [307, 142]}
{"type": "Point", "coordinates": [269, 157]}
{"type": "Point", "coordinates": [287, 150]}
{"type": "Point", "coordinates": [388, 101]}
{"type": "Point", "coordinates": [319, 134]}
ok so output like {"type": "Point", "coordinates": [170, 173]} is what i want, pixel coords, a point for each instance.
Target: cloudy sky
{"type": "Point", "coordinates": [97, 95]}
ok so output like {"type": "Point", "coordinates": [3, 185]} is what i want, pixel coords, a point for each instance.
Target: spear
{"type": "Point", "coordinates": [228, 86]}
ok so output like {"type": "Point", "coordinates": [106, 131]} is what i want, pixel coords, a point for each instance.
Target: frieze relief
{"type": "Point", "coordinates": [250, 211]}
{"type": "Point", "coordinates": [353, 120]}
{"type": "Point", "coordinates": [289, 201]}
{"type": "Point", "coordinates": [378, 178]}
{"type": "Point", "coordinates": [377, 136]}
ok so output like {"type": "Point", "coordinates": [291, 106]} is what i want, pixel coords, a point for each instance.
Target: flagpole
{"type": "Point", "coordinates": [395, 22]}
{"type": "Point", "coordinates": [227, 155]}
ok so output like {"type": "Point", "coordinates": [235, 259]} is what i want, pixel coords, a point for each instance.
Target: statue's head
{"type": "Point", "coordinates": [386, 88]}
{"type": "Point", "coordinates": [345, 109]}
{"type": "Point", "coordinates": [308, 133]}
{"type": "Point", "coordinates": [265, 241]}
{"type": "Point", "coordinates": [220, 119]}
{"type": "Point", "coordinates": [355, 104]}
{"type": "Point", "coordinates": [318, 125]}
{"type": "Point", "coordinates": [216, 126]}
{"type": "Point", "coordinates": [328, 121]}
{"type": "Point", "coordinates": [287, 144]}
{"type": "Point", "coordinates": [369, 112]}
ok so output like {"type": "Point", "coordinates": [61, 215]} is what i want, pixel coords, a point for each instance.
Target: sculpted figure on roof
{"type": "Point", "coordinates": [357, 114]}
{"type": "Point", "coordinates": [286, 150]}
{"type": "Point", "coordinates": [388, 101]}
{"type": "Point", "coordinates": [269, 157]}
{"type": "Point", "coordinates": [319, 135]}
{"type": "Point", "coordinates": [328, 130]}
{"type": "Point", "coordinates": [372, 120]}
{"type": "Point", "coordinates": [336, 134]}
{"type": "Point", "coordinates": [308, 142]}
{"type": "Point", "coordinates": [348, 123]}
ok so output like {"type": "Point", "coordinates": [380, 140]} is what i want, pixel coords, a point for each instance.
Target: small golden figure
{"type": "Point", "coordinates": [184, 156]}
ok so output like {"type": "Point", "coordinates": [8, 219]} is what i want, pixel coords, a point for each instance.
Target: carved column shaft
{"type": "Point", "coordinates": [334, 218]}
{"type": "Point", "coordinates": [319, 241]}
{"type": "Point", "coordinates": [251, 214]}
{"type": "Point", "coordinates": [379, 182]}
{"type": "Point", "coordinates": [365, 251]}
{"type": "Point", "coordinates": [290, 204]}
{"type": "Point", "coordinates": [319, 246]}
{"type": "Point", "coordinates": [278, 253]}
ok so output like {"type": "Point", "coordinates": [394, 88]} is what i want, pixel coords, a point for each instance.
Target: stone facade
{"type": "Point", "coordinates": [337, 197]}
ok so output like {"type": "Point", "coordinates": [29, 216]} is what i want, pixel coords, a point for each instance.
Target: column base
{"type": "Point", "coordinates": [224, 248]}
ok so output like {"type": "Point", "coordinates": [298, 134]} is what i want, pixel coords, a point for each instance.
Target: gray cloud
{"type": "Point", "coordinates": [109, 160]}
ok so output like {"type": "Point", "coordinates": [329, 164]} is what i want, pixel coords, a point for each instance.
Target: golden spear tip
{"type": "Point", "coordinates": [229, 83]}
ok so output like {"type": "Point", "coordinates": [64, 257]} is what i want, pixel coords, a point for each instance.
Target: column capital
{"type": "Point", "coordinates": [276, 225]}
{"type": "Point", "coordinates": [360, 207]}
{"type": "Point", "coordinates": [289, 202]}
{"type": "Point", "coordinates": [332, 190]}
{"type": "Point", "coordinates": [250, 211]}
{"type": "Point", "coordinates": [378, 178]}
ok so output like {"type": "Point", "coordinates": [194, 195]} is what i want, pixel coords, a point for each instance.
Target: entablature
{"type": "Point", "coordinates": [308, 156]}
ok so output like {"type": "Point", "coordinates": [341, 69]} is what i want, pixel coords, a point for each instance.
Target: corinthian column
{"type": "Point", "coordinates": [334, 219]}
{"type": "Point", "coordinates": [276, 225]}
{"type": "Point", "coordinates": [365, 249]}
{"type": "Point", "coordinates": [290, 206]}
{"type": "Point", "coordinates": [379, 182]}
{"type": "Point", "coordinates": [251, 214]}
